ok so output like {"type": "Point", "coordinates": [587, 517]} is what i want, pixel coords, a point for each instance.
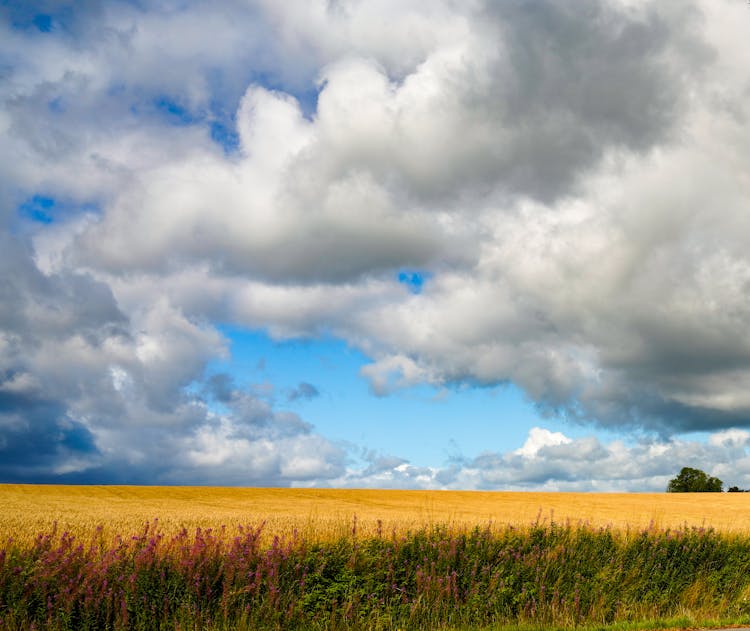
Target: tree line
{"type": "Point", "coordinates": [691, 480]}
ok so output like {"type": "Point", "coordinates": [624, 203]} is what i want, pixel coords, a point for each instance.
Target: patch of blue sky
{"type": "Point", "coordinates": [225, 136]}
{"type": "Point", "coordinates": [30, 16]}
{"type": "Point", "coordinates": [43, 22]}
{"type": "Point", "coordinates": [220, 126]}
{"type": "Point", "coordinates": [305, 91]}
{"type": "Point", "coordinates": [221, 117]}
{"type": "Point", "coordinates": [424, 424]}
{"type": "Point", "coordinates": [44, 209]}
{"type": "Point", "coordinates": [413, 279]}
{"type": "Point", "coordinates": [164, 107]}
{"type": "Point", "coordinates": [308, 101]}
{"type": "Point", "coordinates": [174, 112]}
{"type": "Point", "coordinates": [38, 208]}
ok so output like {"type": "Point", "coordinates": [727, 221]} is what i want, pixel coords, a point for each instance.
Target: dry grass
{"type": "Point", "coordinates": [322, 513]}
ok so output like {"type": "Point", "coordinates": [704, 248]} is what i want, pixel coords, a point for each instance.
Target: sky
{"type": "Point", "coordinates": [468, 244]}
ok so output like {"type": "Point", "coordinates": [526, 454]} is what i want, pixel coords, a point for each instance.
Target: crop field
{"type": "Point", "coordinates": [28, 509]}
{"type": "Point", "coordinates": [223, 558]}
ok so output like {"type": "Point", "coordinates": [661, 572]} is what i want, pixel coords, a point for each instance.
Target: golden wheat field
{"type": "Point", "coordinates": [323, 513]}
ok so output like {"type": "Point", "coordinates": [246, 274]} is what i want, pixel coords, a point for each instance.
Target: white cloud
{"type": "Point", "coordinates": [539, 438]}
{"type": "Point", "coordinates": [551, 461]}
{"type": "Point", "coordinates": [730, 438]}
{"type": "Point", "coordinates": [393, 373]}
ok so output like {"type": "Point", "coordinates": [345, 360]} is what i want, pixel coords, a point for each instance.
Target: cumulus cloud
{"type": "Point", "coordinates": [538, 439]}
{"type": "Point", "coordinates": [551, 461]}
{"type": "Point", "coordinates": [587, 464]}
{"type": "Point", "coordinates": [570, 182]}
{"type": "Point", "coordinates": [91, 394]}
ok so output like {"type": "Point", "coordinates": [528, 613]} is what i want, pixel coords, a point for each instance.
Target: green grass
{"type": "Point", "coordinates": [540, 577]}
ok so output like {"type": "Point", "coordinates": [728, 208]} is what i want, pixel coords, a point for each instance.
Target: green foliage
{"type": "Point", "coordinates": [692, 480]}
{"type": "Point", "coordinates": [550, 577]}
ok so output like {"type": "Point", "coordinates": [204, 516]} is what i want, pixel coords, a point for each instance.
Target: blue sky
{"type": "Point", "coordinates": [484, 245]}
{"type": "Point", "coordinates": [425, 424]}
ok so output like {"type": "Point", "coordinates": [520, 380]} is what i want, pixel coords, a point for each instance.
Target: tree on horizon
{"type": "Point", "coordinates": [692, 480]}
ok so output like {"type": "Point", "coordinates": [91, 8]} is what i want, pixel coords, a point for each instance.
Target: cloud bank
{"type": "Point", "coordinates": [550, 461]}
{"type": "Point", "coordinates": [569, 185]}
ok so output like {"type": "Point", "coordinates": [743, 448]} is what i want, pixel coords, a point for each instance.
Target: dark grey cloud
{"type": "Point", "coordinates": [57, 305]}
{"type": "Point", "coordinates": [40, 316]}
{"type": "Point", "coordinates": [571, 83]}
{"type": "Point", "coordinates": [90, 394]}
{"type": "Point", "coordinates": [37, 438]}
